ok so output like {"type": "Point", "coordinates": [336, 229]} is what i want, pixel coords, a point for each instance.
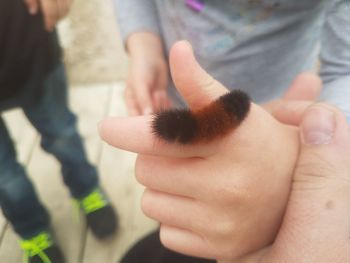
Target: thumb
{"type": "Point", "coordinates": [195, 85]}
{"type": "Point", "coordinates": [317, 221]}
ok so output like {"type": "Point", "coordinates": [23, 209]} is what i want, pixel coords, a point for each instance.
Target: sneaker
{"type": "Point", "coordinates": [41, 249]}
{"type": "Point", "coordinates": [100, 215]}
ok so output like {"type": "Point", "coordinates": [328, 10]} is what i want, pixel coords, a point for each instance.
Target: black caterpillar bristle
{"type": "Point", "coordinates": [237, 103]}
{"type": "Point", "coordinates": [175, 125]}
{"type": "Point", "coordinates": [214, 120]}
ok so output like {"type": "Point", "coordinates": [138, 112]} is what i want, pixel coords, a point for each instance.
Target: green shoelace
{"type": "Point", "coordinates": [94, 201]}
{"type": "Point", "coordinates": [36, 246]}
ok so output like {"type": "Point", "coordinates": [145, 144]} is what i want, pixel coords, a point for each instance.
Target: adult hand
{"type": "Point", "coordinates": [316, 226]}
{"type": "Point", "coordinates": [146, 87]}
{"type": "Point", "coordinates": [53, 10]}
{"type": "Point", "coordinates": [217, 200]}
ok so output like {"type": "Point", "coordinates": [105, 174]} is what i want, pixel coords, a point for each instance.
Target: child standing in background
{"type": "Point", "coordinates": [32, 77]}
{"type": "Point", "coordinates": [257, 46]}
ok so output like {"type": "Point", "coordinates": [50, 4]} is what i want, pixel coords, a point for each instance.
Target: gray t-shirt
{"type": "Point", "coordinates": [258, 46]}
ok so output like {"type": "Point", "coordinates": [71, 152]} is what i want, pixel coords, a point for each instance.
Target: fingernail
{"type": "Point", "coordinates": [318, 126]}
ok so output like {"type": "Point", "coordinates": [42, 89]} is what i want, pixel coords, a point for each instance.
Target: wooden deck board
{"type": "Point", "coordinates": [117, 176]}
{"type": "Point", "coordinates": [91, 104]}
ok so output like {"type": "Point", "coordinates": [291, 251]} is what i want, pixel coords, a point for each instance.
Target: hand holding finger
{"type": "Point", "coordinates": [316, 224]}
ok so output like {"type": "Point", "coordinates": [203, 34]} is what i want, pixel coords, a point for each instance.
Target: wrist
{"type": "Point", "coordinates": [145, 44]}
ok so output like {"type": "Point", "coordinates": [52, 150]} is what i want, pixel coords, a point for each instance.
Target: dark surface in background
{"type": "Point", "coordinates": [27, 52]}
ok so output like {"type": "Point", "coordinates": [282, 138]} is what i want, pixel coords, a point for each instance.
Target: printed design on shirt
{"type": "Point", "coordinates": [221, 44]}
{"type": "Point", "coordinates": [243, 15]}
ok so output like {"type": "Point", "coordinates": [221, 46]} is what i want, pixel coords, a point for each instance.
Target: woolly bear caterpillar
{"type": "Point", "coordinates": [208, 123]}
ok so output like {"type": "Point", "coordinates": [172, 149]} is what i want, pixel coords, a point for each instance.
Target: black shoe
{"type": "Point", "coordinates": [100, 215]}
{"type": "Point", "coordinates": [42, 249]}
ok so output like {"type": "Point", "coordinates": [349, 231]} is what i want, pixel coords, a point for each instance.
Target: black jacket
{"type": "Point", "coordinates": [27, 51]}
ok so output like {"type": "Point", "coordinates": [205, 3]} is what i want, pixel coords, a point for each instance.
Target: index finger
{"type": "Point", "coordinates": [288, 111]}
{"type": "Point", "coordinates": [135, 134]}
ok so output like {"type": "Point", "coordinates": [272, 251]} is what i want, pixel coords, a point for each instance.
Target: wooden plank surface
{"type": "Point", "coordinates": [117, 174]}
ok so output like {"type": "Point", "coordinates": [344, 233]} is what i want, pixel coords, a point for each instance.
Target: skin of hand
{"type": "Point", "coordinates": [316, 226]}
{"type": "Point", "coordinates": [147, 79]}
{"type": "Point", "coordinates": [218, 200]}
{"type": "Point", "coordinates": [53, 10]}
{"type": "Point", "coordinates": [303, 91]}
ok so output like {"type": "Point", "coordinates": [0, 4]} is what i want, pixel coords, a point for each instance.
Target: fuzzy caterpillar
{"type": "Point", "coordinates": [213, 121]}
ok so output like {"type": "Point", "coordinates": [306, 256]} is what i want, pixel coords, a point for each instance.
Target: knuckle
{"type": "Point", "coordinates": [316, 172]}
{"type": "Point", "coordinates": [224, 228]}
{"type": "Point", "coordinates": [230, 193]}
{"type": "Point", "coordinates": [326, 106]}
{"type": "Point", "coordinates": [220, 226]}
{"type": "Point", "coordinates": [316, 165]}
{"type": "Point", "coordinates": [141, 170]}
{"type": "Point", "coordinates": [147, 203]}
{"type": "Point", "coordinates": [165, 237]}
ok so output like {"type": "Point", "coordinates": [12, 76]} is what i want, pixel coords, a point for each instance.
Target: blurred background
{"type": "Point", "coordinates": [93, 49]}
{"type": "Point", "coordinates": [96, 65]}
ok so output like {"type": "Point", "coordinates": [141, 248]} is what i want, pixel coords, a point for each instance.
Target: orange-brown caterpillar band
{"type": "Point", "coordinates": [212, 121]}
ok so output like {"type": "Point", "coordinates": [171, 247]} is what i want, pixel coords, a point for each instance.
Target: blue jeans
{"type": "Point", "coordinates": [57, 126]}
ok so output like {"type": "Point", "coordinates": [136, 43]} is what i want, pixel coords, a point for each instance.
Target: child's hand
{"type": "Point", "coordinates": [53, 10]}
{"type": "Point", "coordinates": [148, 75]}
{"type": "Point", "coordinates": [217, 200]}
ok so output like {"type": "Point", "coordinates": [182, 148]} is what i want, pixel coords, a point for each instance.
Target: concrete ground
{"type": "Point", "coordinates": [93, 48]}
